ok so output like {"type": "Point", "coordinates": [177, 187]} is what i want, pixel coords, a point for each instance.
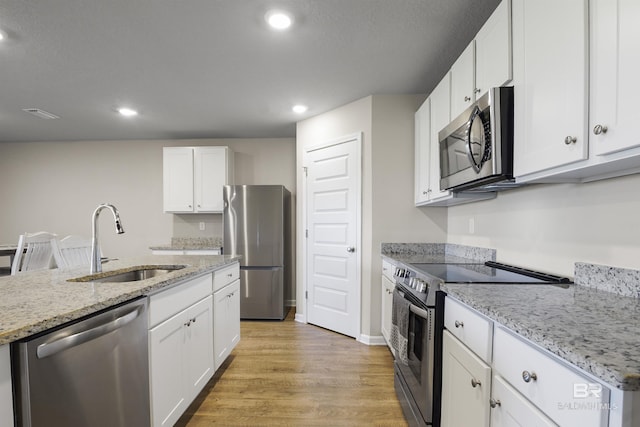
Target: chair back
{"type": "Point", "coordinates": [72, 251]}
{"type": "Point", "coordinates": [34, 252]}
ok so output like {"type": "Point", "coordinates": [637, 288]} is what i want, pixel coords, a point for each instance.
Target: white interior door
{"type": "Point", "coordinates": [333, 235]}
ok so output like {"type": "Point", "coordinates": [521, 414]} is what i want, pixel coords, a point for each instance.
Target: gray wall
{"type": "Point", "coordinates": [55, 186]}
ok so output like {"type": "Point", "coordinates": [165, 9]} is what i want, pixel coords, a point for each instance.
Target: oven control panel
{"type": "Point", "coordinates": [408, 278]}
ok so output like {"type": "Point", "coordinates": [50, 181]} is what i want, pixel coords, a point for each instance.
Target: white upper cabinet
{"type": "Point", "coordinates": [193, 178]}
{"type": "Point", "coordinates": [485, 63]}
{"type": "Point", "coordinates": [615, 67]}
{"type": "Point", "coordinates": [493, 51]}
{"type": "Point", "coordinates": [556, 108]}
{"type": "Point", "coordinates": [422, 140]}
{"type": "Point", "coordinates": [550, 83]}
{"type": "Point", "coordinates": [463, 81]}
{"type": "Point", "coordinates": [440, 118]}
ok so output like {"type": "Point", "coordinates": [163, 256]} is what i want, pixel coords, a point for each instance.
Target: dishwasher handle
{"type": "Point", "coordinates": [50, 348]}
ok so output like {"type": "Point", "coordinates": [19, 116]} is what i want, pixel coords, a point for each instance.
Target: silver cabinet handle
{"type": "Point", "coordinates": [467, 98]}
{"type": "Point", "coordinates": [475, 383]}
{"type": "Point", "coordinates": [351, 249]}
{"type": "Point", "coordinates": [570, 140]}
{"type": "Point", "coordinates": [599, 129]}
{"type": "Point", "coordinates": [458, 324]}
{"type": "Point", "coordinates": [528, 376]}
{"type": "Point", "coordinates": [493, 402]}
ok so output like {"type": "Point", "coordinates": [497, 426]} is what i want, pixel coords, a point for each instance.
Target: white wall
{"type": "Point", "coordinates": [55, 186]}
{"type": "Point", "coordinates": [549, 227]}
{"type": "Point", "coordinates": [386, 123]}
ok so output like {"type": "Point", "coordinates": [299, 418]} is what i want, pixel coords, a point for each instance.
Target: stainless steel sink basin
{"type": "Point", "coordinates": [129, 275]}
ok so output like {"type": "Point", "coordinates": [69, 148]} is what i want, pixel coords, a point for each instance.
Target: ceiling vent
{"type": "Point", "coordinates": [40, 113]}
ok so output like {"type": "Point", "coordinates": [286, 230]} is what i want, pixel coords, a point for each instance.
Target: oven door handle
{"type": "Point", "coordinates": [418, 311]}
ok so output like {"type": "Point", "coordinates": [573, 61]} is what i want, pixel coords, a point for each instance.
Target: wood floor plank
{"type": "Point", "coordinates": [291, 374]}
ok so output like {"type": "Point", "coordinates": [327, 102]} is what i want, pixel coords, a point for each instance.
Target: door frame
{"type": "Point", "coordinates": [357, 138]}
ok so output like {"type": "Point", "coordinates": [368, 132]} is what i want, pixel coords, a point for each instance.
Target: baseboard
{"type": "Point", "coordinates": [372, 340]}
{"type": "Point", "coordinates": [300, 318]}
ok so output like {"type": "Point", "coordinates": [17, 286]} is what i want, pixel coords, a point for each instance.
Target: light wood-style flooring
{"type": "Point", "coordinates": [292, 374]}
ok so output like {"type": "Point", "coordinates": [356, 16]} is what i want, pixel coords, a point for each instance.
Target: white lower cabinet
{"type": "Point", "coordinates": [226, 321]}
{"type": "Point", "coordinates": [510, 409]}
{"type": "Point", "coordinates": [180, 347]}
{"type": "Point", "coordinates": [466, 385]}
{"type": "Point", "coordinates": [561, 392]}
{"type": "Point", "coordinates": [6, 396]}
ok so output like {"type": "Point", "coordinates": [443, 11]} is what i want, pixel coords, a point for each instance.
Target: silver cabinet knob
{"type": "Point", "coordinates": [599, 129]}
{"type": "Point", "coordinates": [475, 383]}
{"type": "Point", "coordinates": [351, 249]}
{"type": "Point", "coordinates": [477, 90]}
{"type": "Point", "coordinates": [467, 98]}
{"type": "Point", "coordinates": [570, 140]}
{"type": "Point", "coordinates": [528, 376]}
{"type": "Point", "coordinates": [458, 324]}
{"type": "Point", "coordinates": [493, 402]}
{"type": "Point", "coordinates": [424, 193]}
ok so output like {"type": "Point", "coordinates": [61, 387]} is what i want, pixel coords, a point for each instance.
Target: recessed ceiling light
{"type": "Point", "coordinates": [278, 20]}
{"type": "Point", "coordinates": [299, 109]}
{"type": "Point", "coordinates": [127, 112]}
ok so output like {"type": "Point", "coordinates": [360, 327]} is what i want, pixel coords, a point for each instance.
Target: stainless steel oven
{"type": "Point", "coordinates": [476, 148]}
{"type": "Point", "coordinates": [417, 379]}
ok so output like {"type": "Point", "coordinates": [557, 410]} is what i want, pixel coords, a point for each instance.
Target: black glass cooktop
{"type": "Point", "coordinates": [489, 272]}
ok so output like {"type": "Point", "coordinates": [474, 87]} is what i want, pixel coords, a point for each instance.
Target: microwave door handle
{"type": "Point", "coordinates": [472, 160]}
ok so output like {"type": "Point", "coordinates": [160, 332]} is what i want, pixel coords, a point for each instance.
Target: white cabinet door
{"type": "Point", "coordinates": [422, 139]}
{"type": "Point", "coordinates": [167, 369]}
{"type": "Point", "coordinates": [226, 323]}
{"type": "Point", "coordinates": [510, 409]}
{"type": "Point", "coordinates": [550, 83]}
{"type": "Point", "coordinates": [199, 346]}
{"type": "Point", "coordinates": [6, 392]}
{"type": "Point", "coordinates": [463, 81]}
{"type": "Point", "coordinates": [210, 175]}
{"type": "Point", "coordinates": [177, 172]}
{"type": "Point", "coordinates": [193, 178]}
{"type": "Point", "coordinates": [615, 67]}
{"type": "Point", "coordinates": [493, 51]}
{"type": "Point", "coordinates": [387, 307]}
{"type": "Point", "coordinates": [466, 386]}
{"type": "Point", "coordinates": [440, 105]}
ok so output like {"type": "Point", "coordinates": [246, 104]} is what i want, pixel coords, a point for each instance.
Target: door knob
{"type": "Point", "coordinates": [351, 249]}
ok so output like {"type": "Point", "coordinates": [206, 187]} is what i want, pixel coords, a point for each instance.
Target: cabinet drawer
{"type": "Point", "coordinates": [508, 405]}
{"type": "Point", "coordinates": [470, 327]}
{"type": "Point", "coordinates": [223, 277]}
{"type": "Point", "coordinates": [167, 303]}
{"type": "Point", "coordinates": [388, 269]}
{"type": "Point", "coordinates": [560, 391]}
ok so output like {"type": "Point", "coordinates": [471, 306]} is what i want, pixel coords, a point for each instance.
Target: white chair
{"type": "Point", "coordinates": [72, 251]}
{"type": "Point", "coordinates": [34, 252]}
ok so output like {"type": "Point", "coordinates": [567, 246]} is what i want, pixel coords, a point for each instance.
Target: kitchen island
{"type": "Point", "coordinates": [35, 302]}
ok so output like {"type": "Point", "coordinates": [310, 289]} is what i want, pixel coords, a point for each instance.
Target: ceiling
{"type": "Point", "coordinates": [212, 68]}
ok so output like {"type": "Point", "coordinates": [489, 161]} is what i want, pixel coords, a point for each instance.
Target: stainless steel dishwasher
{"type": "Point", "coordinates": [91, 372]}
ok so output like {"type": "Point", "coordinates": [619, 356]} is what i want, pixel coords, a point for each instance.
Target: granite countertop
{"type": "Point", "coordinates": [32, 302]}
{"type": "Point", "coordinates": [595, 330]}
{"type": "Point", "coordinates": [593, 324]}
{"type": "Point", "coordinates": [190, 243]}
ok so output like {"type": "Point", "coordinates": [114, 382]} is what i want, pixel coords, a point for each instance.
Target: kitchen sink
{"type": "Point", "coordinates": [129, 275]}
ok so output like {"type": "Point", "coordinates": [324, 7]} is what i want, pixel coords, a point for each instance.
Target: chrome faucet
{"type": "Point", "coordinates": [96, 265]}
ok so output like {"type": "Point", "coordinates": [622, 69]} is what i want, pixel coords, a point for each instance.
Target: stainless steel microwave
{"type": "Point", "coordinates": [476, 148]}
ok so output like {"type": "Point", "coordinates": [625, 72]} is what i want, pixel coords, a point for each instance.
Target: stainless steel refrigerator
{"type": "Point", "coordinates": [257, 226]}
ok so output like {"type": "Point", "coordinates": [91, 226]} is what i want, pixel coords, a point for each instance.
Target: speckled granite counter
{"type": "Point", "coordinates": [594, 324]}
{"type": "Point", "coordinates": [435, 253]}
{"type": "Point", "coordinates": [191, 243]}
{"type": "Point", "coordinates": [595, 330]}
{"type": "Point", "coordinates": [35, 301]}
